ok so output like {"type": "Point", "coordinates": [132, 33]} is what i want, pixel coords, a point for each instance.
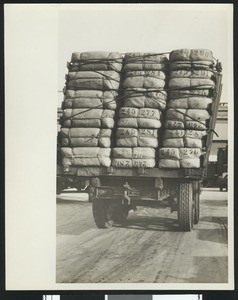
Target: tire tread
{"type": "Point", "coordinates": [184, 209]}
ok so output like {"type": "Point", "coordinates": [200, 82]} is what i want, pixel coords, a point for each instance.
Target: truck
{"type": "Point", "coordinates": [114, 191]}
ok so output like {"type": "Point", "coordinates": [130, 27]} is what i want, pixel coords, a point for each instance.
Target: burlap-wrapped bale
{"type": "Point", "coordinates": [180, 83]}
{"type": "Point", "coordinates": [183, 138]}
{"type": "Point", "coordinates": [190, 153]}
{"type": "Point", "coordinates": [133, 163]}
{"type": "Point", "coordinates": [177, 164]}
{"type": "Point", "coordinates": [197, 125]}
{"type": "Point", "coordinates": [190, 102]}
{"type": "Point", "coordinates": [136, 152]}
{"type": "Point", "coordinates": [86, 156]}
{"type": "Point", "coordinates": [179, 153]}
{"type": "Point", "coordinates": [139, 123]}
{"type": "Point", "coordinates": [178, 93]}
{"type": "Point", "coordinates": [129, 112]}
{"type": "Point", "coordinates": [144, 79]}
{"type": "Point", "coordinates": [90, 99]}
{"type": "Point", "coordinates": [195, 134]}
{"type": "Point", "coordinates": [145, 98]}
{"type": "Point", "coordinates": [176, 114]}
{"type": "Point", "coordinates": [190, 163]}
{"type": "Point", "coordinates": [191, 59]}
{"type": "Point", "coordinates": [93, 80]}
{"type": "Point", "coordinates": [182, 143]}
{"type": "Point", "coordinates": [144, 61]}
{"type": "Point", "coordinates": [98, 118]}
{"type": "Point", "coordinates": [171, 133]}
{"type": "Point", "coordinates": [169, 163]}
{"type": "Point", "coordinates": [95, 56]}
{"type": "Point", "coordinates": [205, 74]}
{"type": "Point", "coordinates": [132, 137]}
{"type": "Point", "coordinates": [197, 65]}
{"type": "Point", "coordinates": [169, 153]}
{"type": "Point", "coordinates": [191, 55]}
{"type": "Point", "coordinates": [173, 143]}
{"type": "Point", "coordinates": [132, 57]}
{"type": "Point", "coordinates": [95, 61]}
{"type": "Point", "coordinates": [139, 117]}
{"type": "Point", "coordinates": [148, 73]}
{"type": "Point", "coordinates": [178, 133]}
{"type": "Point", "coordinates": [171, 124]}
{"type": "Point", "coordinates": [193, 143]}
{"type": "Point", "coordinates": [133, 157]}
{"type": "Point", "coordinates": [187, 115]}
{"type": "Point", "coordinates": [197, 115]}
{"type": "Point", "coordinates": [86, 137]}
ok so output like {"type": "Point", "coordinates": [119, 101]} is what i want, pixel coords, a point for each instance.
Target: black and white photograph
{"type": "Point", "coordinates": [126, 127]}
{"type": "Point", "coordinates": [142, 174]}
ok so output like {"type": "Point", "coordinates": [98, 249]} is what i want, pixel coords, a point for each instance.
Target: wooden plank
{"type": "Point", "coordinates": [130, 172]}
{"type": "Point", "coordinates": [212, 123]}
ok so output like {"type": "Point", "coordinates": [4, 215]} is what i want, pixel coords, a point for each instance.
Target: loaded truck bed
{"type": "Point", "coordinates": [115, 191]}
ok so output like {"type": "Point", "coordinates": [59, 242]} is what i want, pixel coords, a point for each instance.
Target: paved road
{"type": "Point", "coordinates": [148, 249]}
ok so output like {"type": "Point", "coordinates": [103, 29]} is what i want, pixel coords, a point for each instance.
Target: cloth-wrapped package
{"type": "Point", "coordinates": [93, 80]}
{"type": "Point", "coordinates": [139, 117]}
{"type": "Point", "coordinates": [144, 79]}
{"type": "Point", "coordinates": [86, 137]}
{"type": "Point", "coordinates": [144, 61]}
{"type": "Point", "coordinates": [90, 99]}
{"type": "Point", "coordinates": [132, 137]}
{"type": "Point", "coordinates": [81, 117]}
{"type": "Point", "coordinates": [145, 98]}
{"type": "Point", "coordinates": [95, 61]}
{"type": "Point", "coordinates": [133, 157]}
{"type": "Point", "coordinates": [86, 156]}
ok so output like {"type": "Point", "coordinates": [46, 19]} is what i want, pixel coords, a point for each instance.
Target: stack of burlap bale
{"type": "Point", "coordinates": [191, 82]}
{"type": "Point", "coordinates": [89, 107]}
{"type": "Point", "coordinates": [139, 117]}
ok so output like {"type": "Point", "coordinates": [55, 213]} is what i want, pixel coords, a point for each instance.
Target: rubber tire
{"type": "Point", "coordinates": [95, 182]}
{"type": "Point", "coordinates": [185, 206]}
{"type": "Point", "coordinates": [119, 214]}
{"type": "Point", "coordinates": [91, 192]}
{"type": "Point", "coordinates": [196, 196]}
{"type": "Point", "coordinates": [102, 213]}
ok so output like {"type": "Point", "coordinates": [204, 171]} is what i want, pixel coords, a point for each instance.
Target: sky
{"type": "Point", "coordinates": [146, 28]}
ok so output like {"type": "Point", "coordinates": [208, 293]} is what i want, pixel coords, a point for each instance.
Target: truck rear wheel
{"type": "Point", "coordinates": [119, 213]}
{"type": "Point", "coordinates": [196, 197]}
{"type": "Point", "coordinates": [102, 213]}
{"type": "Point", "coordinates": [185, 206]}
{"type": "Point", "coordinates": [94, 182]}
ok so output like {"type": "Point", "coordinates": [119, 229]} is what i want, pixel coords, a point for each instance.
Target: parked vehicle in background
{"type": "Point", "coordinates": [223, 181]}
